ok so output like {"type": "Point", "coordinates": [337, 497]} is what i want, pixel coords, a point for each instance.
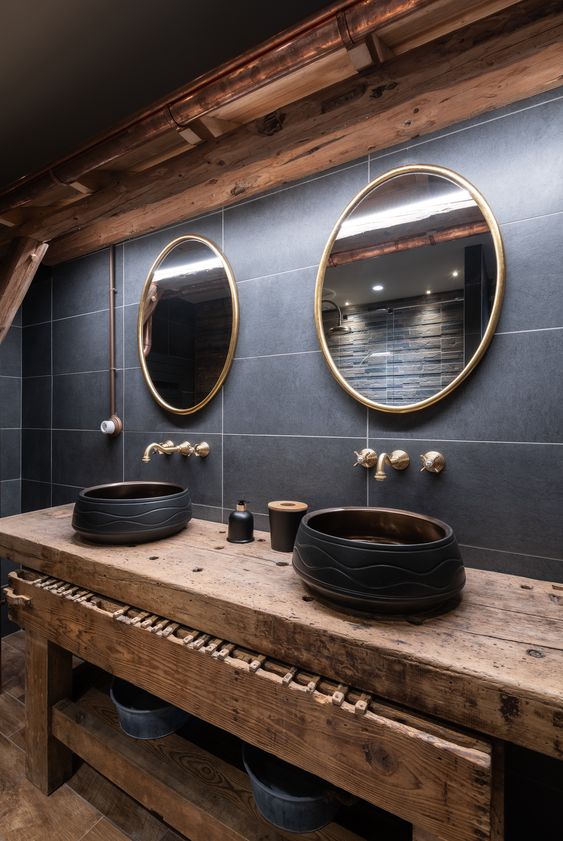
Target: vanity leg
{"type": "Point", "coordinates": [497, 800]}
{"type": "Point", "coordinates": [48, 679]}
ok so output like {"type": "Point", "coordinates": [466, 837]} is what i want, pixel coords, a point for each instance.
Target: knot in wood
{"type": "Point", "coordinates": [271, 123]}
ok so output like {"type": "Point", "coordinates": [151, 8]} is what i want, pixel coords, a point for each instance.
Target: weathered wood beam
{"type": "Point", "coordinates": [367, 252]}
{"type": "Point", "coordinates": [507, 57]}
{"type": "Point", "coordinates": [16, 274]}
{"type": "Point", "coordinates": [280, 55]}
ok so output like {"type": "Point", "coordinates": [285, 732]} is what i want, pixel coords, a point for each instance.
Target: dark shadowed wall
{"type": "Point", "coordinates": [10, 433]}
{"type": "Point", "coordinates": [282, 427]}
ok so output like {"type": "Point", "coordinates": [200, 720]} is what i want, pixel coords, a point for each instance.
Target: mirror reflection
{"type": "Point", "coordinates": [188, 320]}
{"type": "Point", "coordinates": [407, 289]}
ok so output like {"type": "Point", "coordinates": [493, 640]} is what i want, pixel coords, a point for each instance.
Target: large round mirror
{"type": "Point", "coordinates": [409, 288]}
{"type": "Point", "coordinates": [188, 324]}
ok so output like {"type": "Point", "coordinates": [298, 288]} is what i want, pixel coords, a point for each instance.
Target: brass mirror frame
{"type": "Point", "coordinates": [429, 169]}
{"type": "Point", "coordinates": [234, 324]}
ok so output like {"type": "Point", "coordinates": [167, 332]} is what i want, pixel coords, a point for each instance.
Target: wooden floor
{"type": "Point", "coordinates": [87, 808]}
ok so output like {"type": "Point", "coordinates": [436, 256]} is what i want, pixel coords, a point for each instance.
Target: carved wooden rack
{"type": "Point", "coordinates": [438, 778]}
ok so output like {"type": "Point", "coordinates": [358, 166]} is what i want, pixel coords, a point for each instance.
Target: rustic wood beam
{"type": "Point", "coordinates": [507, 57]}
{"type": "Point", "coordinates": [16, 274]}
{"type": "Point", "coordinates": [367, 252]}
{"type": "Point", "coordinates": [275, 58]}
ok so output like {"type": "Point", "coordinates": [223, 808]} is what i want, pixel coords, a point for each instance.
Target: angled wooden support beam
{"type": "Point", "coordinates": [16, 274]}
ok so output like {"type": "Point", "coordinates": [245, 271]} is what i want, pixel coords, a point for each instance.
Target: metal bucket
{"type": "Point", "coordinates": [287, 797]}
{"type": "Point", "coordinates": [142, 715]}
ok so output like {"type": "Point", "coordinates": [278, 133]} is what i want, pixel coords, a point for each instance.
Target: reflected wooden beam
{"type": "Point", "coordinates": [16, 273]}
{"type": "Point", "coordinates": [341, 258]}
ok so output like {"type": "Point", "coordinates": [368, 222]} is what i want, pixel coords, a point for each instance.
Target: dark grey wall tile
{"type": "Point", "coordinates": [140, 254]}
{"type": "Point", "coordinates": [130, 336]}
{"type": "Point", "coordinates": [509, 397]}
{"type": "Point", "coordinates": [37, 304]}
{"type": "Point", "coordinates": [36, 402]}
{"type": "Point", "coordinates": [502, 496]}
{"type": "Point", "coordinates": [36, 350]}
{"type": "Point", "coordinates": [63, 494]}
{"type": "Point", "coordinates": [210, 513]}
{"type": "Point", "coordinates": [36, 455]}
{"type": "Point", "coordinates": [277, 314]}
{"type": "Point", "coordinates": [11, 353]}
{"type": "Point", "coordinates": [329, 479]}
{"type": "Point", "coordinates": [6, 626]}
{"type": "Point", "coordinates": [142, 412]}
{"type": "Point", "coordinates": [81, 343]}
{"type": "Point", "coordinates": [201, 475]}
{"type": "Point", "coordinates": [533, 191]}
{"type": "Point", "coordinates": [534, 256]}
{"type": "Point", "coordinates": [82, 285]}
{"type": "Point", "coordinates": [81, 401]}
{"type": "Point", "coordinates": [529, 566]}
{"type": "Point", "coordinates": [10, 497]}
{"type": "Point", "coordinates": [10, 441]}
{"type": "Point", "coordinates": [35, 495]}
{"type": "Point", "coordinates": [289, 395]}
{"type": "Point", "coordinates": [6, 567]}
{"type": "Point", "coordinates": [86, 458]}
{"type": "Point", "coordinates": [10, 402]}
{"type": "Point", "coordinates": [289, 229]}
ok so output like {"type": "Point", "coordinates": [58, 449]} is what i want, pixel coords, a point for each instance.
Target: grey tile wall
{"type": "Point", "coordinates": [10, 441]}
{"type": "Point", "coordinates": [282, 427]}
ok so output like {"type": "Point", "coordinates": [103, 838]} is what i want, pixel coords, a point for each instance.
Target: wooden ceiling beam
{"type": "Point", "coordinates": [298, 47]}
{"type": "Point", "coordinates": [16, 273]}
{"type": "Point", "coordinates": [507, 57]}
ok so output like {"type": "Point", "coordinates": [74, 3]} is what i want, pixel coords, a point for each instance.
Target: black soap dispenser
{"type": "Point", "coordinates": [241, 524]}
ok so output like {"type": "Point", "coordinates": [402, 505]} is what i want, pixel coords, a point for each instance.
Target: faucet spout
{"type": "Point", "coordinates": [398, 459]}
{"type": "Point", "coordinates": [162, 449]}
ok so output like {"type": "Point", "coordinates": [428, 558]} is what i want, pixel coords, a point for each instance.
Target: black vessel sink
{"type": "Point", "coordinates": [379, 560]}
{"type": "Point", "coordinates": [131, 512]}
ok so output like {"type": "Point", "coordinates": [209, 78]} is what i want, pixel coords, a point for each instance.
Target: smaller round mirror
{"type": "Point", "coordinates": [409, 288]}
{"type": "Point", "coordinates": [188, 324]}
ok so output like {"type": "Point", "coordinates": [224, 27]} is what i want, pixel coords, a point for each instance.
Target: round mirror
{"type": "Point", "coordinates": [409, 288]}
{"type": "Point", "coordinates": [188, 324]}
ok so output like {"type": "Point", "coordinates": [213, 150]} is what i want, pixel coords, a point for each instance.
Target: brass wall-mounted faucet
{"type": "Point", "coordinates": [398, 459]}
{"type": "Point", "coordinates": [185, 449]}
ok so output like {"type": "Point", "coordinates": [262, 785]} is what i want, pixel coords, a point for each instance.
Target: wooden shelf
{"type": "Point", "coordinates": [199, 794]}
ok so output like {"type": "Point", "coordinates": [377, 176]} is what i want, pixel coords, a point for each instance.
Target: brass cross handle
{"type": "Point", "coordinates": [432, 461]}
{"type": "Point", "coordinates": [365, 458]}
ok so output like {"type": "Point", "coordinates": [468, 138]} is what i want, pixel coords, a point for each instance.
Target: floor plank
{"type": "Point", "coordinates": [12, 713]}
{"type": "Point", "coordinates": [105, 831]}
{"type": "Point", "coordinates": [27, 814]}
{"type": "Point", "coordinates": [13, 671]}
{"type": "Point", "coordinates": [16, 640]}
{"type": "Point", "coordinates": [122, 810]}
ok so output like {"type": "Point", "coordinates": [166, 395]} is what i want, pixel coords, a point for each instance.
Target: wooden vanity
{"type": "Point", "coordinates": [410, 715]}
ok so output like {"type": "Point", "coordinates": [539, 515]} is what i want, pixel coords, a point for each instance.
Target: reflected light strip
{"type": "Point", "coordinates": [413, 212]}
{"type": "Point", "coordinates": [188, 268]}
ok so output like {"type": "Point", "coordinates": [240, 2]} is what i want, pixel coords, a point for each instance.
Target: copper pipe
{"type": "Point", "coordinates": [343, 24]}
{"type": "Point", "coordinates": [341, 258]}
{"type": "Point", "coordinates": [115, 424]}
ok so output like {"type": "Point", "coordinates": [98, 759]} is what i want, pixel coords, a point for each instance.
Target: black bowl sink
{"type": "Point", "coordinates": [379, 560]}
{"type": "Point", "coordinates": [131, 512]}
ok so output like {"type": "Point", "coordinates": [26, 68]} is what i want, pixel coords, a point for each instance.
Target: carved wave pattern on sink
{"type": "Point", "coordinates": [389, 576]}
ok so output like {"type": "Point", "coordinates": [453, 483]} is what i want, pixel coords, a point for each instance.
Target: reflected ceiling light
{"type": "Point", "coordinates": [405, 213]}
{"type": "Point", "coordinates": [455, 273]}
{"type": "Point", "coordinates": [188, 268]}
{"type": "Point", "coordinates": [378, 287]}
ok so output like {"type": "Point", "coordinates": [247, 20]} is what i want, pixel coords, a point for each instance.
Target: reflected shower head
{"type": "Point", "coordinates": [340, 328]}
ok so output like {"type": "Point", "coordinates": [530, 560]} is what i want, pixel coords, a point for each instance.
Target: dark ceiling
{"type": "Point", "coordinates": [71, 69]}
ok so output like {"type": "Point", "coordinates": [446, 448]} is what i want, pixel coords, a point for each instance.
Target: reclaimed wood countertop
{"type": "Point", "coordinates": [494, 664]}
